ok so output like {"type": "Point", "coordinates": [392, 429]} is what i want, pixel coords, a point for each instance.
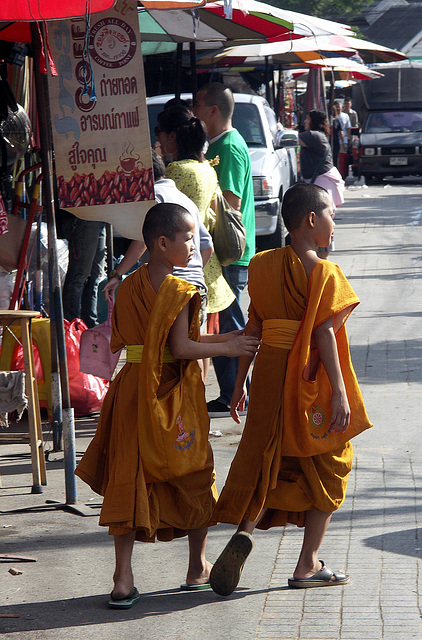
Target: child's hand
{"type": "Point", "coordinates": [109, 288]}
{"type": "Point", "coordinates": [231, 334]}
{"type": "Point", "coordinates": [340, 416]}
{"type": "Point", "coordinates": [242, 346]}
{"type": "Point", "coordinates": [238, 402]}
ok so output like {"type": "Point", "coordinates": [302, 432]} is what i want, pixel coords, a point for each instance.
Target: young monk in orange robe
{"type": "Point", "coordinates": [294, 458]}
{"type": "Point", "coordinates": [150, 457]}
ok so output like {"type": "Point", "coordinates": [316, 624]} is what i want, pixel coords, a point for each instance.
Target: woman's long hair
{"type": "Point", "coordinates": [319, 121]}
{"type": "Point", "coordinates": [190, 131]}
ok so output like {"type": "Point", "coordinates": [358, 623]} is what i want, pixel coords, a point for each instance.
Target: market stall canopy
{"type": "Point", "coordinates": [12, 10]}
{"type": "Point", "coordinates": [279, 53]}
{"type": "Point", "coordinates": [174, 4]}
{"type": "Point", "coordinates": [209, 25]}
{"type": "Point", "coordinates": [370, 52]}
{"type": "Point", "coordinates": [254, 14]}
{"type": "Point", "coordinates": [344, 67]}
{"type": "Point", "coordinates": [253, 22]}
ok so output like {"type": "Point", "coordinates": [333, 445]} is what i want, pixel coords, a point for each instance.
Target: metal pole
{"type": "Point", "coordinates": [57, 321]}
{"type": "Point", "coordinates": [178, 88]}
{"type": "Point", "coordinates": [267, 80]}
{"type": "Point", "coordinates": [110, 247]}
{"type": "Point", "coordinates": [192, 49]}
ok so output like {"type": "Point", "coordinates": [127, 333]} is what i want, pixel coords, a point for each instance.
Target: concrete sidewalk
{"type": "Point", "coordinates": [374, 536]}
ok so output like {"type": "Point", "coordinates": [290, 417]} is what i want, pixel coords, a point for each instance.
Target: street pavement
{"type": "Point", "coordinates": [375, 536]}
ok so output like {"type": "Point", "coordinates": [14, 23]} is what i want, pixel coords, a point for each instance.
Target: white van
{"type": "Point", "coordinates": [273, 159]}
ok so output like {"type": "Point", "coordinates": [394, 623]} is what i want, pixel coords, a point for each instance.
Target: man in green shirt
{"type": "Point", "coordinates": [214, 105]}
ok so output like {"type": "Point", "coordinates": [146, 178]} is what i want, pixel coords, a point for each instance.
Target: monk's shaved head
{"type": "Point", "coordinates": [300, 200]}
{"type": "Point", "coordinates": [164, 219]}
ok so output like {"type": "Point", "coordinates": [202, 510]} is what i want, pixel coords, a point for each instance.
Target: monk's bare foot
{"type": "Point", "coordinates": [203, 577]}
{"type": "Point", "coordinates": [123, 586]}
{"type": "Point", "coordinates": [301, 573]}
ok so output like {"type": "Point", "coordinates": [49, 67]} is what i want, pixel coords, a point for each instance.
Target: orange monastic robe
{"type": "Point", "coordinates": [117, 463]}
{"type": "Point", "coordinates": [261, 475]}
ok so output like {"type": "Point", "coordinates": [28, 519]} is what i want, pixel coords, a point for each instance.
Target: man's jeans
{"type": "Point", "coordinates": [87, 249]}
{"type": "Point", "coordinates": [230, 319]}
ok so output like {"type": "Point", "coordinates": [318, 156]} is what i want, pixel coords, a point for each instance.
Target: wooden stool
{"type": "Point", "coordinates": [40, 334]}
{"type": "Point", "coordinates": [23, 318]}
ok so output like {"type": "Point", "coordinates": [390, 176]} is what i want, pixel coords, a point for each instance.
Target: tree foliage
{"type": "Point", "coordinates": [340, 10]}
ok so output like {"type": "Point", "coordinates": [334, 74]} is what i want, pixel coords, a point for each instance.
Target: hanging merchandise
{"type": "Point", "coordinates": [15, 137]}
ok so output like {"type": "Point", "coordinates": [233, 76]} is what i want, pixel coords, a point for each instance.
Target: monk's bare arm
{"type": "Point", "coordinates": [325, 340]}
{"type": "Point", "coordinates": [135, 250]}
{"type": "Point", "coordinates": [240, 392]}
{"type": "Point", "coordinates": [220, 337]}
{"type": "Point", "coordinates": [183, 348]}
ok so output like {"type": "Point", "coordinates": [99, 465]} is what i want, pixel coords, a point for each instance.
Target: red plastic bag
{"type": "Point", "coordinates": [87, 392]}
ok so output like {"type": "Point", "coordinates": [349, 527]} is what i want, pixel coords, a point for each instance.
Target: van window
{"type": "Point", "coordinates": [393, 122]}
{"type": "Point", "coordinates": [247, 121]}
{"type": "Point", "coordinates": [153, 111]}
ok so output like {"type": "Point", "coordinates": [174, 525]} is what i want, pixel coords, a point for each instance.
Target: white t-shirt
{"type": "Point", "coordinates": [166, 191]}
{"type": "Point", "coordinates": [345, 123]}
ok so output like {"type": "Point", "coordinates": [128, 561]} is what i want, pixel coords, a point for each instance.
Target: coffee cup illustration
{"type": "Point", "coordinates": [129, 159]}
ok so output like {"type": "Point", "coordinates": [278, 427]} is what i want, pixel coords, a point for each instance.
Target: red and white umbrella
{"type": "Point", "coordinates": [370, 52]}
{"type": "Point", "coordinates": [12, 10]}
{"type": "Point", "coordinates": [345, 67]}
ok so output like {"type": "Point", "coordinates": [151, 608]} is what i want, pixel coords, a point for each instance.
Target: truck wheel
{"type": "Point", "coordinates": [273, 240]}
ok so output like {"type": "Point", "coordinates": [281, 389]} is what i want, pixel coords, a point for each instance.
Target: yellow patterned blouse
{"type": "Point", "coordinates": [198, 180]}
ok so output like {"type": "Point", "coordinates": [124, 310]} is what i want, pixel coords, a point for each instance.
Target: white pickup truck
{"type": "Point", "coordinates": [273, 159]}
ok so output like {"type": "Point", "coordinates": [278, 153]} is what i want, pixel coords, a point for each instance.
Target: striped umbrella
{"type": "Point", "coordinates": [279, 53]}
{"type": "Point", "coordinates": [344, 67]}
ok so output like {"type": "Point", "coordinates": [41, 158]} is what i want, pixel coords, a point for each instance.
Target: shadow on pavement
{"type": "Point", "coordinates": [93, 610]}
{"type": "Point", "coordinates": [406, 543]}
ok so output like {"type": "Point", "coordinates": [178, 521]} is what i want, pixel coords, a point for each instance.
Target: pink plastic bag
{"type": "Point", "coordinates": [95, 355]}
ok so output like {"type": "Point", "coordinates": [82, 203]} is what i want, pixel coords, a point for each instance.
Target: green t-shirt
{"type": "Point", "coordinates": [235, 174]}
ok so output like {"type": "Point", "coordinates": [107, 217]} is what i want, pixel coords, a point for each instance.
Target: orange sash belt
{"type": "Point", "coordinates": [279, 333]}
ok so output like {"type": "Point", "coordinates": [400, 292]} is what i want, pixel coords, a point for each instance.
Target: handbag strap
{"type": "Point", "coordinates": [110, 310]}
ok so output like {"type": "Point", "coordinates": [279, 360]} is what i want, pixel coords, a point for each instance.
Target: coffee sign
{"type": "Point", "coordinates": [102, 145]}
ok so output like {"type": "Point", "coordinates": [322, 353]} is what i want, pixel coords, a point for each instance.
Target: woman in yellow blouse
{"type": "Point", "coordinates": [183, 136]}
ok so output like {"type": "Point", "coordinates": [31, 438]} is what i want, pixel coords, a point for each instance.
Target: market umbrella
{"type": "Point", "coordinates": [49, 9]}
{"type": "Point", "coordinates": [343, 66]}
{"type": "Point", "coordinates": [370, 52]}
{"type": "Point", "coordinates": [315, 91]}
{"type": "Point", "coordinates": [256, 12]}
{"type": "Point", "coordinates": [254, 22]}
{"type": "Point", "coordinates": [16, 15]}
{"type": "Point", "coordinates": [209, 25]}
{"type": "Point", "coordinates": [279, 53]}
